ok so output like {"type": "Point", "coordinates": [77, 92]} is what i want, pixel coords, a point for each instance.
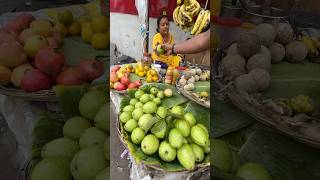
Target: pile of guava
{"type": "Point", "coordinates": [171, 133]}
{"type": "Point", "coordinates": [83, 151]}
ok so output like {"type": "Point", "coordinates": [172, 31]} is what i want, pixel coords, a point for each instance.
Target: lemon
{"type": "Point", "coordinates": [75, 28]}
{"type": "Point", "coordinates": [99, 41]}
{"type": "Point", "coordinates": [140, 74]}
{"type": "Point", "coordinates": [100, 24]}
{"type": "Point", "coordinates": [86, 32]}
{"type": "Point", "coordinates": [154, 78]}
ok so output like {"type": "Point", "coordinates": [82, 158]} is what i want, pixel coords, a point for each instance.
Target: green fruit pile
{"type": "Point", "coordinates": [171, 133]}
{"type": "Point", "coordinates": [228, 161]}
{"type": "Point", "coordinates": [83, 151]}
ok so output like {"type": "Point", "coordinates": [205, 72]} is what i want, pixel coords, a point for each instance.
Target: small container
{"type": "Point", "coordinates": [146, 60]}
{"type": "Point", "coordinates": [229, 30]}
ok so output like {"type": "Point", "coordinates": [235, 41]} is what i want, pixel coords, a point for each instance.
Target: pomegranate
{"type": "Point", "coordinates": [121, 87]}
{"type": "Point", "coordinates": [6, 36]}
{"type": "Point", "coordinates": [14, 26]}
{"type": "Point", "coordinates": [125, 79]}
{"type": "Point", "coordinates": [91, 68]}
{"type": "Point", "coordinates": [24, 20]}
{"type": "Point", "coordinates": [132, 86]}
{"type": "Point", "coordinates": [12, 54]}
{"type": "Point", "coordinates": [35, 80]}
{"type": "Point", "coordinates": [70, 76]}
{"type": "Point", "coordinates": [50, 61]}
{"type": "Point", "coordinates": [138, 83]}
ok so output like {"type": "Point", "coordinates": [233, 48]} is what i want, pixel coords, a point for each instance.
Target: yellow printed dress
{"type": "Point", "coordinates": [169, 60]}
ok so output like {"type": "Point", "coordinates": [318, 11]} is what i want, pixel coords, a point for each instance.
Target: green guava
{"type": "Point", "coordinates": [150, 144]}
{"type": "Point", "coordinates": [91, 102]}
{"type": "Point", "coordinates": [75, 126]}
{"type": "Point", "coordinates": [101, 120]}
{"type": "Point", "coordinates": [166, 152]}
{"type": "Point", "coordinates": [92, 136]}
{"type": "Point", "coordinates": [52, 169]}
{"type": "Point", "coordinates": [60, 148]}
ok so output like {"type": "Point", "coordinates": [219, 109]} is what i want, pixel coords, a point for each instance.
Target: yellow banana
{"type": "Point", "coordinates": [198, 22]}
{"type": "Point", "coordinates": [195, 11]}
{"type": "Point", "coordinates": [184, 14]}
{"type": "Point", "coordinates": [175, 14]}
{"type": "Point", "coordinates": [179, 18]}
{"type": "Point", "coordinates": [204, 23]}
{"type": "Point", "coordinates": [179, 2]}
{"type": "Point", "coordinates": [193, 4]}
{"type": "Point", "coordinates": [186, 2]}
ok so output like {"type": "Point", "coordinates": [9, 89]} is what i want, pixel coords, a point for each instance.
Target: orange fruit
{"type": "Point", "coordinates": [154, 78]}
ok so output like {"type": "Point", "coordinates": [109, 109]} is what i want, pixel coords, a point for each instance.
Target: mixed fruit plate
{"type": "Point", "coordinates": [131, 76]}
{"type": "Point", "coordinates": [160, 128]}
{"type": "Point", "coordinates": [36, 55]}
{"type": "Point", "coordinates": [75, 144]}
{"type": "Point", "coordinates": [195, 84]}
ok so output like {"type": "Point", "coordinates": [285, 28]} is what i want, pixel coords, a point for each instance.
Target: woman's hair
{"type": "Point", "coordinates": [159, 19]}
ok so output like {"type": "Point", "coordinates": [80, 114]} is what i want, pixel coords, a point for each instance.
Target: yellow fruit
{"type": "Point", "coordinates": [65, 17]}
{"type": "Point", "coordinates": [83, 19]}
{"type": "Point", "coordinates": [140, 74]}
{"type": "Point", "coordinates": [140, 68]}
{"type": "Point", "coordinates": [74, 29]}
{"type": "Point", "coordinates": [137, 71]}
{"type": "Point", "coordinates": [149, 79]}
{"type": "Point", "coordinates": [155, 78]}
{"type": "Point", "coordinates": [153, 72]}
{"type": "Point", "coordinates": [60, 28]}
{"type": "Point", "coordinates": [86, 32]}
{"type": "Point", "coordinates": [100, 24]}
{"type": "Point", "coordinates": [99, 41]}
{"type": "Point", "coordinates": [42, 27]}
{"type": "Point", "coordinates": [146, 67]}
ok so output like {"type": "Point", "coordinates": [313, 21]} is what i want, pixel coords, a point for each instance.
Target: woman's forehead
{"type": "Point", "coordinates": [164, 19]}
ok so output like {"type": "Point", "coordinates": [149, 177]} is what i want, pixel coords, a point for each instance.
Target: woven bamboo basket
{"type": "Point", "coordinates": [44, 95]}
{"type": "Point", "coordinates": [266, 115]}
{"type": "Point", "coordinates": [199, 168]}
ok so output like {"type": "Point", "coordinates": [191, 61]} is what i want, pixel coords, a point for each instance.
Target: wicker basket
{"type": "Point", "coordinates": [200, 168]}
{"type": "Point", "coordinates": [262, 113]}
{"type": "Point", "coordinates": [44, 95]}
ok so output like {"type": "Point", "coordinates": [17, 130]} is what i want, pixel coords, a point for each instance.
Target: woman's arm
{"type": "Point", "coordinates": [196, 44]}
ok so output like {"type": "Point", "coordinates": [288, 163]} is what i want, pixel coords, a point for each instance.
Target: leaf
{"type": "Point", "coordinates": [227, 118]}
{"type": "Point", "coordinates": [289, 80]}
{"type": "Point", "coordinates": [69, 97]}
{"type": "Point", "coordinates": [284, 158]}
{"type": "Point", "coordinates": [201, 86]}
{"type": "Point", "coordinates": [76, 50]}
{"type": "Point", "coordinates": [48, 127]}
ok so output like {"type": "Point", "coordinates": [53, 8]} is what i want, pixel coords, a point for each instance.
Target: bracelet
{"type": "Point", "coordinates": [173, 49]}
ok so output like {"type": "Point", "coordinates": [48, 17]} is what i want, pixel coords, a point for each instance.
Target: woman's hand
{"type": "Point", "coordinates": [167, 48]}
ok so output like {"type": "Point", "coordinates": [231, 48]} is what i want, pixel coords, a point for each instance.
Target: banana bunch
{"type": "Point", "coordinates": [183, 14]}
{"type": "Point", "coordinates": [203, 20]}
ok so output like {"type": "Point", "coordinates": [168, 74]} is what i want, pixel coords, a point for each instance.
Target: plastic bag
{"type": "Point", "coordinates": [142, 8]}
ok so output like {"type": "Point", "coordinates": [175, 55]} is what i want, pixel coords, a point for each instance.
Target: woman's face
{"type": "Point", "coordinates": [164, 26]}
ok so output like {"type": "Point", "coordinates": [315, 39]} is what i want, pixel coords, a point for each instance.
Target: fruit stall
{"type": "Point", "coordinates": [162, 111]}
{"type": "Point", "coordinates": [53, 90]}
{"type": "Point", "coordinates": [266, 91]}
